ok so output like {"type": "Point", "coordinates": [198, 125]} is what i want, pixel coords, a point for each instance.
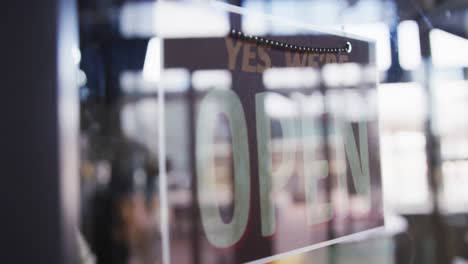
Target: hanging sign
{"type": "Point", "coordinates": [281, 144]}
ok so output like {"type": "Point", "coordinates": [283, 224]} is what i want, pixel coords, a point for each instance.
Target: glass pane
{"type": "Point", "coordinates": [199, 146]}
{"type": "Point", "coordinates": [274, 150]}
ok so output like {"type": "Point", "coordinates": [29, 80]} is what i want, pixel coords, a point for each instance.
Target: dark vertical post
{"type": "Point", "coordinates": [235, 20]}
{"type": "Point", "coordinates": [395, 73]}
{"type": "Point", "coordinates": [39, 117]}
{"type": "Point", "coordinates": [434, 159]}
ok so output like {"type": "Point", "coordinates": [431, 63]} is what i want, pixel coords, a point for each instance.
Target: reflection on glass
{"type": "Point", "coordinates": [273, 150]}
{"type": "Point", "coordinates": [403, 148]}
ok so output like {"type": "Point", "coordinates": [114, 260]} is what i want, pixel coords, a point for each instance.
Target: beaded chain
{"type": "Point", "coordinates": [285, 46]}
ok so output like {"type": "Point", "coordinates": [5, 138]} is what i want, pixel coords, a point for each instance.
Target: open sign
{"type": "Point", "coordinates": [279, 161]}
{"type": "Point", "coordinates": [223, 234]}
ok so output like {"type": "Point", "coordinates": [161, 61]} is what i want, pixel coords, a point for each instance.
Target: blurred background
{"type": "Point", "coordinates": [421, 60]}
{"type": "Point", "coordinates": [417, 114]}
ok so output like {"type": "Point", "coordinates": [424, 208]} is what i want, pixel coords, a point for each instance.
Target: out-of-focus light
{"type": "Point", "coordinates": [408, 45]}
{"type": "Point", "coordinates": [76, 55]}
{"type": "Point", "coordinates": [152, 65]}
{"type": "Point", "coordinates": [103, 172]}
{"type": "Point", "coordinates": [365, 11]}
{"type": "Point", "coordinates": [448, 50]}
{"type": "Point", "coordinates": [135, 19]}
{"type": "Point", "coordinates": [331, 73]}
{"type": "Point", "coordinates": [404, 161]}
{"type": "Point", "coordinates": [203, 80]}
{"type": "Point", "coordinates": [82, 78]}
{"type": "Point", "coordinates": [172, 19]}
{"type": "Point", "coordinates": [454, 198]}
{"type": "Point", "coordinates": [278, 106]}
{"type": "Point", "coordinates": [129, 120]}
{"type": "Point", "coordinates": [320, 13]}
{"type": "Point", "coordinates": [310, 104]}
{"type": "Point", "coordinates": [370, 74]}
{"type": "Point", "coordinates": [393, 109]}
{"type": "Point", "coordinates": [138, 121]}
{"type": "Point", "coordinates": [348, 74]}
{"type": "Point", "coordinates": [254, 24]}
{"type": "Point", "coordinates": [128, 81]}
{"type": "Point", "coordinates": [402, 112]}
{"type": "Point", "coordinates": [290, 78]}
{"type": "Point", "coordinates": [381, 34]}
{"type": "Point", "coordinates": [175, 80]}
{"type": "Point", "coordinates": [351, 74]}
{"type": "Point", "coordinates": [450, 99]}
{"type": "Point", "coordinates": [198, 21]}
